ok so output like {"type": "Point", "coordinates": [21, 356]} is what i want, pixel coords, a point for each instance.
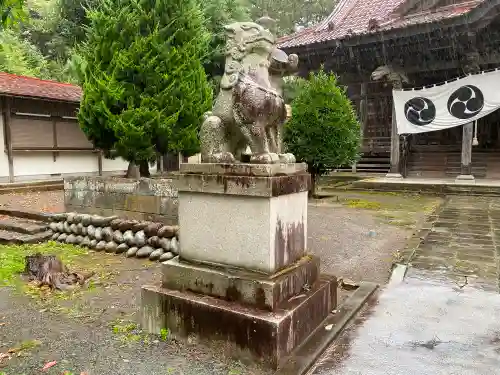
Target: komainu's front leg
{"type": "Point", "coordinates": [213, 141]}
{"type": "Point", "coordinates": [276, 144]}
{"type": "Point", "coordinates": [272, 139]}
{"type": "Point", "coordinates": [285, 158]}
{"type": "Point", "coordinates": [260, 146]}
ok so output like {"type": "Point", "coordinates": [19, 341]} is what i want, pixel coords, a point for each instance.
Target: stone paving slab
{"type": "Point", "coordinates": [7, 237]}
{"type": "Point", "coordinates": [421, 326]}
{"type": "Point", "coordinates": [22, 226]}
{"type": "Point", "coordinates": [463, 238]}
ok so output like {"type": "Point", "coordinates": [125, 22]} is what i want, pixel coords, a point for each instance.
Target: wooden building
{"type": "Point", "coordinates": [40, 135]}
{"type": "Point", "coordinates": [376, 45]}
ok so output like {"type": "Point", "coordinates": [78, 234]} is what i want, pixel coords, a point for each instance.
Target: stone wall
{"type": "Point", "coordinates": [149, 199]}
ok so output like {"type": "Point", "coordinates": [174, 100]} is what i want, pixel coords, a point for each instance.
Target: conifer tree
{"type": "Point", "coordinates": [145, 89]}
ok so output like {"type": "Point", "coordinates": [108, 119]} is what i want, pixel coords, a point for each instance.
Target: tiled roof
{"type": "Point", "coordinates": [429, 17]}
{"type": "Point", "coordinates": [352, 17]}
{"type": "Point", "coordinates": [14, 85]}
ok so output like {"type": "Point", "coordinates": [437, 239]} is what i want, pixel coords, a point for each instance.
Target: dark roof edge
{"type": "Point", "coordinates": [43, 98]}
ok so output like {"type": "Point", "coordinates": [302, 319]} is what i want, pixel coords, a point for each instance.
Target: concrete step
{"type": "Point", "coordinates": [25, 214]}
{"type": "Point", "coordinates": [426, 174]}
{"type": "Point", "coordinates": [22, 226]}
{"type": "Point", "coordinates": [8, 237]}
{"type": "Point", "coordinates": [21, 187]}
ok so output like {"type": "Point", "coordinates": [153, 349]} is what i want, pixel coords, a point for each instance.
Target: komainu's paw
{"type": "Point", "coordinates": [267, 158]}
{"type": "Point", "coordinates": [287, 158]}
{"type": "Point", "coordinates": [222, 157]}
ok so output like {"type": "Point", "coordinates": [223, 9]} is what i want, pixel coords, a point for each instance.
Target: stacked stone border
{"type": "Point", "coordinates": [141, 239]}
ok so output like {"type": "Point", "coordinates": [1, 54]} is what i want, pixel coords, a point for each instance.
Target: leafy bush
{"type": "Point", "coordinates": [323, 130]}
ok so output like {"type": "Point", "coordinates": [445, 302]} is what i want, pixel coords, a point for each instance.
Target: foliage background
{"type": "Point", "coordinates": [42, 38]}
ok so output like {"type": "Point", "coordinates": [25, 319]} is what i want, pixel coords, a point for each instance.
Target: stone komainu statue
{"type": "Point", "coordinates": [249, 110]}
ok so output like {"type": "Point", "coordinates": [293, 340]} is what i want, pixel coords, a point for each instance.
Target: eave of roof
{"type": "Point", "coordinates": [469, 11]}
{"type": "Point", "coordinates": [22, 86]}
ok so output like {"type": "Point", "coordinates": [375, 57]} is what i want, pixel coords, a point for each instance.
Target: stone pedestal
{"type": "Point", "coordinates": [243, 275]}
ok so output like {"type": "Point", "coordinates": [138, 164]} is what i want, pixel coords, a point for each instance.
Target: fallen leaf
{"type": "Point", "coordinates": [4, 355]}
{"type": "Point", "coordinates": [2, 324]}
{"type": "Point", "coordinates": [49, 365]}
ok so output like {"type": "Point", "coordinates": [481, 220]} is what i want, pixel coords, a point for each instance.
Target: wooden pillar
{"type": "Point", "coordinates": [363, 109]}
{"type": "Point", "coordinates": [55, 154]}
{"type": "Point", "coordinates": [465, 165]}
{"type": "Point", "coordinates": [8, 137]}
{"type": "Point", "coordinates": [363, 105]}
{"type": "Point", "coordinates": [395, 171]}
{"type": "Point", "coordinates": [471, 66]}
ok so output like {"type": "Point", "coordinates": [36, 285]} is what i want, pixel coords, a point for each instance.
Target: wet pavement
{"type": "Point", "coordinates": [462, 240]}
{"type": "Point", "coordinates": [424, 325]}
{"type": "Point", "coordinates": [443, 317]}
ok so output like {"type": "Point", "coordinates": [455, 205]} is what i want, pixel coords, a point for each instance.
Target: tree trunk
{"type": "Point", "coordinates": [160, 164]}
{"type": "Point", "coordinates": [144, 169]}
{"type": "Point", "coordinates": [133, 171]}
{"type": "Point", "coordinates": [312, 190]}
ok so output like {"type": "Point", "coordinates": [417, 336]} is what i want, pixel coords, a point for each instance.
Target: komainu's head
{"type": "Point", "coordinates": [244, 33]}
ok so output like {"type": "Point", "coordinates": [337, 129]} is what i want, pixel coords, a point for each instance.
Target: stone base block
{"type": "Point", "coordinates": [265, 292]}
{"type": "Point", "coordinates": [396, 176]}
{"type": "Point", "coordinates": [258, 234]}
{"type": "Point", "coordinates": [244, 169]}
{"type": "Point", "coordinates": [266, 337]}
{"type": "Point", "coordinates": [466, 179]}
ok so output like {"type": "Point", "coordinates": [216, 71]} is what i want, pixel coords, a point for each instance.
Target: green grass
{"type": "Point", "coordinates": [164, 333]}
{"type": "Point", "coordinates": [364, 204]}
{"type": "Point", "coordinates": [120, 327]}
{"type": "Point", "coordinates": [12, 257]}
{"type": "Point", "coordinates": [29, 344]}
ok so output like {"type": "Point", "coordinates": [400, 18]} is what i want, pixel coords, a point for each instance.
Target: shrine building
{"type": "Point", "coordinates": [440, 57]}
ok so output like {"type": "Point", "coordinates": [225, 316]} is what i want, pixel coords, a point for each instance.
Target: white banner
{"type": "Point", "coordinates": [450, 104]}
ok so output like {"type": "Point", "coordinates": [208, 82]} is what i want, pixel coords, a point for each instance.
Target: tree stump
{"type": "Point", "coordinates": [49, 270]}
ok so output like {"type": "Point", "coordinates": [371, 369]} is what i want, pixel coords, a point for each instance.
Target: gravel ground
{"type": "Point", "coordinates": [78, 334]}
{"type": "Point", "coordinates": [352, 243]}
{"type": "Point", "coordinates": [45, 201]}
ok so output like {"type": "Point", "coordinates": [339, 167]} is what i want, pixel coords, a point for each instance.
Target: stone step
{"type": "Point", "coordinates": [22, 187]}
{"type": "Point", "coordinates": [8, 237]}
{"type": "Point", "coordinates": [25, 214]}
{"type": "Point", "coordinates": [22, 226]}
